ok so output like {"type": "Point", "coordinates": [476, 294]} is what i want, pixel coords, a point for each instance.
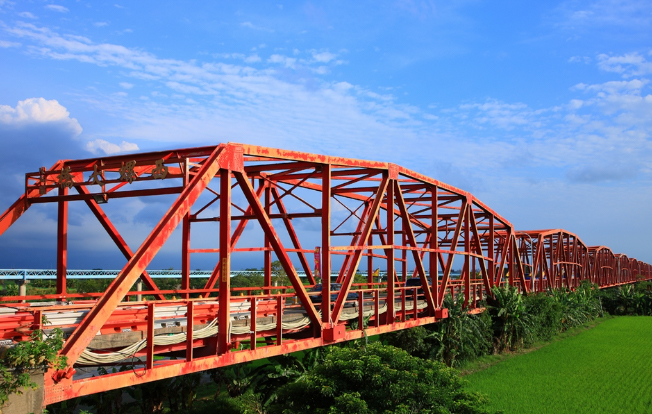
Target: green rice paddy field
{"type": "Point", "coordinates": [607, 369]}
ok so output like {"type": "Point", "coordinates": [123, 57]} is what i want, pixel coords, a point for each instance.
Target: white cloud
{"type": "Point", "coordinates": [572, 15]}
{"type": "Point", "coordinates": [250, 25]}
{"type": "Point", "coordinates": [34, 133]}
{"type": "Point", "coordinates": [324, 57]}
{"type": "Point", "coordinates": [252, 58]}
{"type": "Point", "coordinates": [503, 115]}
{"type": "Point", "coordinates": [57, 8]}
{"type": "Point", "coordinates": [38, 110]}
{"type": "Point", "coordinates": [100, 24]}
{"type": "Point", "coordinates": [126, 85]}
{"type": "Point", "coordinates": [288, 62]}
{"type": "Point", "coordinates": [580, 59]}
{"type": "Point", "coordinates": [235, 102]}
{"type": "Point", "coordinates": [6, 44]}
{"type": "Point", "coordinates": [628, 65]}
{"type": "Point", "coordinates": [110, 148]}
{"type": "Point", "coordinates": [612, 87]}
{"type": "Point", "coordinates": [27, 15]}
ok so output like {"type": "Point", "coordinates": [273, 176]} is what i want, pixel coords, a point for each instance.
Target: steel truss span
{"type": "Point", "coordinates": [361, 215]}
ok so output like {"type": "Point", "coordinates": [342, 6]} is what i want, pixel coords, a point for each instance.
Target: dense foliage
{"type": "Point", "coordinates": [460, 337]}
{"type": "Point", "coordinates": [377, 379]}
{"type": "Point", "coordinates": [628, 300]}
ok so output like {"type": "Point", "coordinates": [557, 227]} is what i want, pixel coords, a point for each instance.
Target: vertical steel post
{"type": "Point", "coordinates": [510, 244]}
{"type": "Point", "coordinates": [279, 320]}
{"type": "Point", "coordinates": [390, 252]}
{"type": "Point", "coordinates": [404, 252]}
{"type": "Point", "coordinates": [434, 244]}
{"type": "Point", "coordinates": [185, 241]}
{"type": "Point", "coordinates": [252, 324]}
{"type": "Point", "coordinates": [185, 255]}
{"type": "Point", "coordinates": [62, 242]}
{"type": "Point", "coordinates": [467, 249]}
{"type": "Point", "coordinates": [267, 269]}
{"type": "Point", "coordinates": [551, 277]}
{"type": "Point", "coordinates": [150, 336]}
{"type": "Point", "coordinates": [492, 254]}
{"type": "Point", "coordinates": [326, 244]}
{"type": "Point", "coordinates": [370, 260]}
{"type": "Point", "coordinates": [225, 258]}
{"type": "Point", "coordinates": [190, 317]}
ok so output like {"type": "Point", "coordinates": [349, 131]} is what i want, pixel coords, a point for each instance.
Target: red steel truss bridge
{"type": "Point", "coordinates": [362, 215]}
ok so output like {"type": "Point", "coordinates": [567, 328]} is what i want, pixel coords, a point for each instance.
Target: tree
{"type": "Point", "coordinates": [374, 379]}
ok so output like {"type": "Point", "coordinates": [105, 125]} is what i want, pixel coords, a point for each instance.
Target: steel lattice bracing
{"type": "Point", "coordinates": [363, 214]}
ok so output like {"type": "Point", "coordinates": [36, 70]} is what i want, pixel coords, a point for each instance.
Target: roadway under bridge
{"type": "Point", "coordinates": [405, 223]}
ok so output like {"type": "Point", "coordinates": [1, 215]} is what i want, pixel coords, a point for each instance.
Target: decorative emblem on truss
{"type": "Point", "coordinates": [161, 170]}
{"type": "Point", "coordinates": [97, 177]}
{"type": "Point", "coordinates": [127, 172]}
{"type": "Point", "coordinates": [65, 178]}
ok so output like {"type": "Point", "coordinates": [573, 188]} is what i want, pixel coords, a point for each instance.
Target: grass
{"type": "Point", "coordinates": [486, 361]}
{"type": "Point", "coordinates": [607, 369]}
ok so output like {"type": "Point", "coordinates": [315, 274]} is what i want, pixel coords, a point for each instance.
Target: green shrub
{"type": "Point", "coordinates": [37, 354]}
{"type": "Point", "coordinates": [378, 379]}
{"type": "Point", "coordinates": [513, 326]}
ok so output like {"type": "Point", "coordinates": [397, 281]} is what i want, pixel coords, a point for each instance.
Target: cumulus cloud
{"type": "Point", "coordinates": [40, 111]}
{"type": "Point", "coordinates": [35, 133]}
{"type": "Point", "coordinates": [110, 148]}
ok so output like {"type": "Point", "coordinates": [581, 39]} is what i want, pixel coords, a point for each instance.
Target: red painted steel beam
{"type": "Point", "coordinates": [224, 314]}
{"type": "Point", "coordinates": [62, 243]}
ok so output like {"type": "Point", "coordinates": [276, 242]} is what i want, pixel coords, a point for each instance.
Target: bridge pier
{"type": "Point", "coordinates": [30, 401]}
{"type": "Point", "coordinates": [22, 288]}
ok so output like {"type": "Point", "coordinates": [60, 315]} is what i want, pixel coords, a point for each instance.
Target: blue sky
{"type": "Point", "coordinates": [543, 110]}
